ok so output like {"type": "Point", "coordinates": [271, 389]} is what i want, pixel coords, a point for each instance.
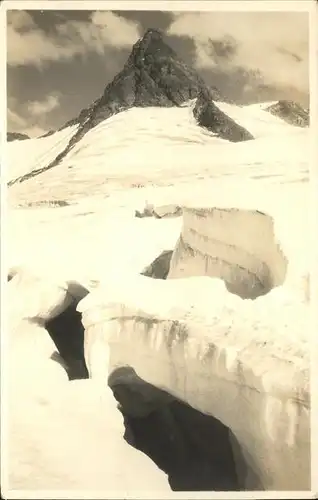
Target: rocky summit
{"type": "Point", "coordinates": [153, 76]}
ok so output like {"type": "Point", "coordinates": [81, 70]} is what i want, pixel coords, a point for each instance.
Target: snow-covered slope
{"type": "Point", "coordinates": [256, 119]}
{"type": "Point", "coordinates": [154, 146]}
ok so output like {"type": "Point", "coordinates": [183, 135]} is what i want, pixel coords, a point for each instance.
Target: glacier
{"type": "Point", "coordinates": [227, 332]}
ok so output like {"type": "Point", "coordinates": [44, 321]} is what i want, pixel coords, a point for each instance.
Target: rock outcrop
{"type": "Point", "coordinates": [16, 136]}
{"type": "Point", "coordinates": [159, 268]}
{"type": "Point", "coordinates": [159, 212]}
{"type": "Point", "coordinates": [290, 112]}
{"type": "Point", "coordinates": [208, 115]}
{"type": "Point", "coordinates": [50, 132]}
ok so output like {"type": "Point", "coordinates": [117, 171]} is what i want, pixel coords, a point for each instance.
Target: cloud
{"type": "Point", "coordinates": [115, 30]}
{"type": "Point", "coordinates": [18, 123]}
{"type": "Point", "coordinates": [15, 122]}
{"type": "Point", "coordinates": [272, 45]}
{"type": "Point", "coordinates": [36, 108]}
{"type": "Point", "coordinates": [20, 20]}
{"type": "Point", "coordinates": [27, 44]}
{"type": "Point", "coordinates": [35, 131]}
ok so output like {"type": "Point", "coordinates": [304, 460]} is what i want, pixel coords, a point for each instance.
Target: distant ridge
{"type": "Point", "coordinates": [290, 112]}
{"type": "Point", "coordinates": [153, 75]}
{"type": "Point", "coordinates": [16, 136]}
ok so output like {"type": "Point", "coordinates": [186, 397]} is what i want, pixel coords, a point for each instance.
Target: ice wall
{"type": "Point", "coordinates": [235, 245]}
{"type": "Point", "coordinates": [200, 337]}
{"type": "Point", "coordinates": [244, 362]}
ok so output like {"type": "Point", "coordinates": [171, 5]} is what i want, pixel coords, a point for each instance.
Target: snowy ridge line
{"type": "Point", "coordinates": [78, 135]}
{"type": "Point", "coordinates": [52, 164]}
{"type": "Point", "coordinates": [46, 153]}
{"type": "Point", "coordinates": [140, 127]}
{"type": "Point", "coordinates": [84, 128]}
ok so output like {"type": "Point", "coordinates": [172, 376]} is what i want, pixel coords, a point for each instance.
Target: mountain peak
{"type": "Point", "coordinates": [152, 33]}
{"type": "Point", "coordinates": [150, 48]}
{"type": "Point", "coordinates": [151, 37]}
{"type": "Point", "coordinates": [154, 76]}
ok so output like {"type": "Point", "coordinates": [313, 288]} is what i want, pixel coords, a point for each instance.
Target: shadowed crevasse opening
{"type": "Point", "coordinates": [193, 449]}
{"type": "Point", "coordinates": [67, 332]}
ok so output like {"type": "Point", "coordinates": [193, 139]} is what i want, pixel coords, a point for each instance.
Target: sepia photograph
{"type": "Point", "coordinates": [156, 246]}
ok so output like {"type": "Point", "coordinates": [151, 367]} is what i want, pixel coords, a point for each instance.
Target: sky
{"type": "Point", "coordinates": [59, 62]}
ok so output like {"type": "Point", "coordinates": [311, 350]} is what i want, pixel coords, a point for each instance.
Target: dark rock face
{"type": "Point", "coordinates": [47, 134]}
{"type": "Point", "coordinates": [153, 76]}
{"type": "Point", "coordinates": [208, 115]}
{"type": "Point", "coordinates": [290, 112]}
{"type": "Point", "coordinates": [16, 136]}
{"type": "Point", "coordinates": [82, 117]}
{"type": "Point", "coordinates": [159, 268]}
